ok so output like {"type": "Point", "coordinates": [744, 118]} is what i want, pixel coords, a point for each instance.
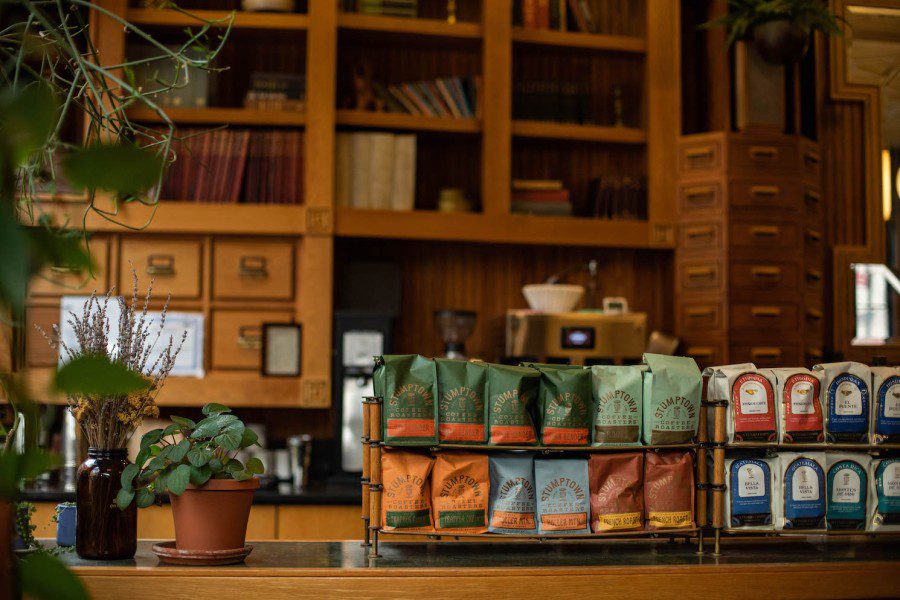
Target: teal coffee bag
{"type": "Point", "coordinates": [461, 401]}
{"type": "Point", "coordinates": [671, 408]}
{"type": "Point", "coordinates": [847, 490]}
{"type": "Point", "coordinates": [616, 414]}
{"type": "Point", "coordinates": [563, 495]}
{"type": "Point", "coordinates": [512, 394]}
{"type": "Point", "coordinates": [512, 493]}
{"type": "Point", "coordinates": [406, 382]}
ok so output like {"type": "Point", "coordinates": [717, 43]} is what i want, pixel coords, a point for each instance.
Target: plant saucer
{"type": "Point", "coordinates": [168, 553]}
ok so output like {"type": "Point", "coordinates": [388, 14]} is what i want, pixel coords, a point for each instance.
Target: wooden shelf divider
{"type": "Point", "coordinates": [221, 116]}
{"type": "Point", "coordinates": [166, 17]}
{"type": "Point", "coordinates": [386, 120]}
{"type": "Point", "coordinates": [575, 131]}
{"type": "Point", "coordinates": [592, 41]}
{"type": "Point", "coordinates": [409, 26]}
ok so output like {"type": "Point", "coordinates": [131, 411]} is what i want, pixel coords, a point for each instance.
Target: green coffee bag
{"type": "Point", "coordinates": [616, 408]}
{"type": "Point", "coordinates": [406, 382]}
{"type": "Point", "coordinates": [564, 398]}
{"type": "Point", "coordinates": [512, 393]}
{"type": "Point", "coordinates": [461, 402]}
{"type": "Point", "coordinates": [672, 387]}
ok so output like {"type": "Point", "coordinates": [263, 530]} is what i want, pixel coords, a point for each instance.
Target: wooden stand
{"type": "Point", "coordinates": [375, 482]}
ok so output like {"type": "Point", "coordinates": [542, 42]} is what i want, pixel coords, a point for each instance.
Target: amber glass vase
{"type": "Point", "coordinates": [102, 531]}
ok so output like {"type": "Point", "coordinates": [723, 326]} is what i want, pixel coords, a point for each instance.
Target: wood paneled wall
{"type": "Point", "coordinates": [488, 279]}
{"type": "Point", "coordinates": [844, 171]}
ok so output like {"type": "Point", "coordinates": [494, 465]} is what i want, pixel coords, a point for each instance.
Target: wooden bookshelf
{"type": "Point", "coordinates": [385, 120]}
{"type": "Point", "coordinates": [574, 131]}
{"type": "Point", "coordinates": [477, 227]}
{"type": "Point", "coordinates": [221, 116]}
{"type": "Point", "coordinates": [409, 27]}
{"type": "Point", "coordinates": [166, 17]}
{"type": "Point", "coordinates": [590, 41]}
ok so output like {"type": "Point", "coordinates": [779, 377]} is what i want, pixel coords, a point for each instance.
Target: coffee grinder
{"type": "Point", "coordinates": [455, 327]}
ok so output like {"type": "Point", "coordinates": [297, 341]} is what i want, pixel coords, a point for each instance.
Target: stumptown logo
{"type": "Point", "coordinates": [610, 489]}
{"type": "Point", "coordinates": [679, 406]}
{"type": "Point", "coordinates": [515, 488]}
{"type": "Point", "coordinates": [462, 399]}
{"type": "Point", "coordinates": [456, 486]}
{"type": "Point", "coordinates": [616, 402]}
{"type": "Point", "coordinates": [661, 488]}
{"type": "Point", "coordinates": [405, 487]}
{"type": "Point", "coordinates": [412, 395]}
{"type": "Point", "coordinates": [508, 401]}
{"type": "Point", "coordinates": [567, 406]}
{"type": "Point", "coordinates": [561, 489]}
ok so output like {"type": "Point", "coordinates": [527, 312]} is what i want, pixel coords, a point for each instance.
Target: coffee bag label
{"type": "Point", "coordinates": [804, 503]}
{"type": "Point", "coordinates": [614, 522]}
{"type": "Point", "coordinates": [753, 400]}
{"type": "Point", "coordinates": [617, 419]}
{"type": "Point", "coordinates": [675, 413]}
{"type": "Point", "coordinates": [847, 489]}
{"type": "Point", "coordinates": [887, 487]}
{"type": "Point", "coordinates": [848, 409]}
{"type": "Point", "coordinates": [408, 506]}
{"type": "Point", "coordinates": [411, 412]}
{"type": "Point", "coordinates": [750, 493]}
{"type": "Point", "coordinates": [461, 415]}
{"type": "Point", "coordinates": [461, 486]}
{"type": "Point", "coordinates": [565, 420]}
{"type": "Point", "coordinates": [513, 498]}
{"type": "Point", "coordinates": [510, 420]}
{"type": "Point", "coordinates": [802, 410]}
{"type": "Point", "coordinates": [564, 501]}
{"type": "Point", "coordinates": [887, 417]}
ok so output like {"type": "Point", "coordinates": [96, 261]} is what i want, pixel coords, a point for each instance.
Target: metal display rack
{"type": "Point", "coordinates": [719, 446]}
{"type": "Point", "coordinates": [372, 487]}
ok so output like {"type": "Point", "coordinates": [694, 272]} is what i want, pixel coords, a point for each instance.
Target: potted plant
{"type": "Point", "coordinates": [210, 490]}
{"type": "Point", "coordinates": [779, 29]}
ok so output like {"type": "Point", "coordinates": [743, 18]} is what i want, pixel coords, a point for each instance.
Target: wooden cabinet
{"type": "Point", "coordinates": [253, 268]}
{"type": "Point", "coordinates": [172, 264]}
{"type": "Point", "coordinates": [59, 280]}
{"type": "Point", "coordinates": [237, 337]}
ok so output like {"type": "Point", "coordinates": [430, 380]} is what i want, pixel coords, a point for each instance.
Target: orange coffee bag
{"type": "Point", "coordinates": [461, 489]}
{"type": "Point", "coordinates": [406, 500]}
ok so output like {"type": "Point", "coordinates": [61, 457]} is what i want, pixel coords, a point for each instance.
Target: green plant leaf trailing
{"type": "Point", "coordinates": [188, 453]}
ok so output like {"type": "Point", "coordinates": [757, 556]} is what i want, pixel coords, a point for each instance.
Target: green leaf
{"type": "Point", "coordinates": [230, 438]}
{"type": "Point", "coordinates": [183, 422]}
{"type": "Point", "coordinates": [142, 457]}
{"type": "Point", "coordinates": [179, 450]}
{"type": "Point", "coordinates": [121, 168]}
{"type": "Point", "coordinates": [97, 375]}
{"type": "Point", "coordinates": [44, 577]}
{"type": "Point", "coordinates": [199, 456]}
{"type": "Point", "coordinates": [171, 430]}
{"type": "Point", "coordinates": [201, 475]}
{"type": "Point", "coordinates": [28, 116]}
{"type": "Point", "coordinates": [124, 498]}
{"type": "Point", "coordinates": [159, 485]}
{"type": "Point", "coordinates": [17, 467]}
{"type": "Point", "coordinates": [256, 466]}
{"type": "Point", "coordinates": [179, 479]}
{"type": "Point", "coordinates": [249, 438]}
{"type": "Point", "coordinates": [128, 475]}
{"type": "Point", "coordinates": [150, 438]}
{"type": "Point", "coordinates": [214, 409]}
{"type": "Point", "coordinates": [242, 475]}
{"type": "Point", "coordinates": [206, 428]}
{"type": "Point", "coordinates": [145, 498]}
{"type": "Point", "coordinates": [234, 466]}
{"type": "Point", "coordinates": [215, 465]}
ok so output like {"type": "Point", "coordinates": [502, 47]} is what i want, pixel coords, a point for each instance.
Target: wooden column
{"type": "Point", "coordinates": [496, 145]}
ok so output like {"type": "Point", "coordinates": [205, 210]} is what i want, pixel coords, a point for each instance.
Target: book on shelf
{"type": "Point", "coordinates": [540, 197]}
{"type": "Point", "coordinates": [375, 170]}
{"type": "Point", "coordinates": [536, 184]}
{"type": "Point", "coordinates": [615, 197]}
{"type": "Point", "coordinates": [555, 15]}
{"type": "Point", "coordinates": [549, 100]}
{"type": "Point", "coordinates": [167, 83]}
{"type": "Point", "coordinates": [448, 97]}
{"type": "Point", "coordinates": [276, 91]}
{"type": "Point", "coordinates": [386, 8]}
{"type": "Point", "coordinates": [236, 165]}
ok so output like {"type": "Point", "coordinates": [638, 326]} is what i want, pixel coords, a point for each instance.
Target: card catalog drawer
{"type": "Point", "coordinates": [783, 235]}
{"type": "Point", "coordinates": [695, 155]}
{"type": "Point", "coordinates": [698, 197]}
{"type": "Point", "coordinates": [766, 354]}
{"type": "Point", "coordinates": [700, 317]}
{"type": "Point", "coordinates": [253, 269]}
{"type": "Point", "coordinates": [707, 351]}
{"type": "Point", "coordinates": [174, 265]}
{"type": "Point", "coordinates": [700, 236]}
{"type": "Point", "coordinates": [765, 276]}
{"type": "Point", "coordinates": [764, 193]}
{"type": "Point", "coordinates": [37, 350]}
{"type": "Point", "coordinates": [765, 316]}
{"type": "Point", "coordinates": [762, 155]}
{"type": "Point", "coordinates": [237, 337]}
{"type": "Point", "coordinates": [60, 280]}
{"type": "Point", "coordinates": [700, 276]}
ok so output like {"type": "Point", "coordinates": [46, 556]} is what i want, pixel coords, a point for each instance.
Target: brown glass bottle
{"type": "Point", "coordinates": [102, 531]}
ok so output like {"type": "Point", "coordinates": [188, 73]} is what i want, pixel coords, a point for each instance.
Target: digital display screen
{"type": "Point", "coordinates": [578, 338]}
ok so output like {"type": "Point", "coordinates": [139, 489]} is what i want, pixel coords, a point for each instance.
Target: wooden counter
{"type": "Point", "coordinates": [804, 568]}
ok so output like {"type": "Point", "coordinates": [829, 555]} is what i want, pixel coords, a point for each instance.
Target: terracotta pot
{"type": "Point", "coordinates": [214, 515]}
{"type": "Point", "coordinates": [780, 42]}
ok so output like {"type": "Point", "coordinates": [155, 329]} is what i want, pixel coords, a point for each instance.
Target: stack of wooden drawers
{"type": "Point", "coordinates": [750, 255]}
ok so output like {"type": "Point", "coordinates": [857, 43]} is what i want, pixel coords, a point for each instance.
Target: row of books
{"type": "Point", "coordinates": [375, 170]}
{"type": "Point", "coordinates": [455, 97]}
{"type": "Point", "coordinates": [558, 15]}
{"type": "Point", "coordinates": [387, 8]}
{"type": "Point", "coordinates": [276, 91]}
{"type": "Point", "coordinates": [540, 197]}
{"type": "Point", "coordinates": [166, 83]}
{"type": "Point", "coordinates": [236, 165]}
{"type": "Point", "coordinates": [548, 100]}
{"type": "Point", "coordinates": [614, 197]}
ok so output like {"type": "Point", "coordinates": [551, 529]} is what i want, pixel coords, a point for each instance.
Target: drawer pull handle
{"type": "Point", "coordinates": [699, 312]}
{"type": "Point", "coordinates": [766, 311]}
{"type": "Point", "coordinates": [765, 273]}
{"type": "Point", "coordinates": [699, 152]}
{"type": "Point", "coordinates": [162, 265]}
{"type": "Point", "coordinates": [698, 272]}
{"type": "Point", "coordinates": [704, 193]}
{"type": "Point", "coordinates": [700, 352]}
{"type": "Point", "coordinates": [813, 236]}
{"type": "Point", "coordinates": [811, 158]}
{"type": "Point", "coordinates": [765, 190]}
{"type": "Point", "coordinates": [249, 338]}
{"type": "Point", "coordinates": [65, 269]}
{"type": "Point", "coordinates": [814, 353]}
{"type": "Point", "coordinates": [763, 353]}
{"type": "Point", "coordinates": [253, 267]}
{"type": "Point", "coordinates": [765, 231]}
{"type": "Point", "coordinates": [699, 232]}
{"type": "Point", "coordinates": [763, 152]}
{"type": "Point", "coordinates": [813, 276]}
{"type": "Point", "coordinates": [813, 197]}
{"type": "Point", "coordinates": [814, 315]}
